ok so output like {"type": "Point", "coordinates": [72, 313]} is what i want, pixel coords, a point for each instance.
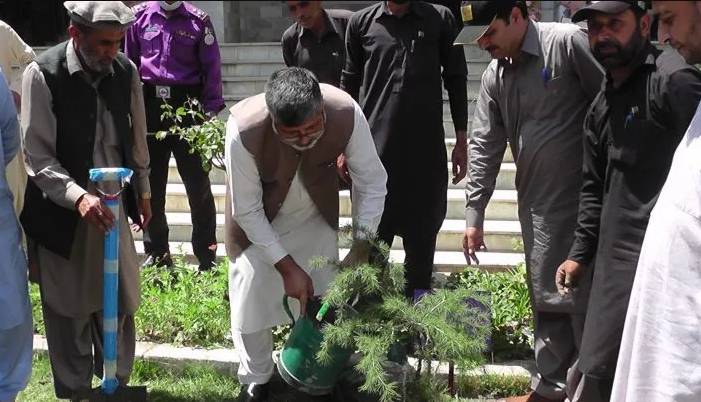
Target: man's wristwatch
{"type": "Point", "coordinates": [145, 196]}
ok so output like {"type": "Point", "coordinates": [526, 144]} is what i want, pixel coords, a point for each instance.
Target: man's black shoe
{"type": "Point", "coordinates": [254, 393]}
{"type": "Point", "coordinates": [206, 265]}
{"type": "Point", "coordinates": [159, 261]}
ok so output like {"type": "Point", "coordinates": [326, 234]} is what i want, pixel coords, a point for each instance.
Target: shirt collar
{"type": "Point", "coordinates": [330, 26]}
{"type": "Point", "coordinates": [73, 62]}
{"type": "Point", "coordinates": [531, 41]}
{"type": "Point", "coordinates": [414, 8]}
{"type": "Point", "coordinates": [154, 7]}
{"type": "Point", "coordinates": [530, 45]}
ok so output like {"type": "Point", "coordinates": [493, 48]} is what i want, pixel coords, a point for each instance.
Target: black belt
{"type": "Point", "coordinates": [174, 92]}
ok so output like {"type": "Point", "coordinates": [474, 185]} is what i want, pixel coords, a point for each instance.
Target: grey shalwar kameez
{"type": "Point", "coordinates": [71, 289]}
{"type": "Point", "coordinates": [537, 104]}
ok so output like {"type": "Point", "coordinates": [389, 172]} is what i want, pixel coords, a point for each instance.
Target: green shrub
{"type": "Point", "coordinates": [183, 306]}
{"type": "Point", "coordinates": [492, 386]}
{"type": "Point", "coordinates": [512, 317]}
{"type": "Point", "coordinates": [435, 388]}
{"type": "Point", "coordinates": [179, 306]}
{"type": "Point", "coordinates": [37, 315]}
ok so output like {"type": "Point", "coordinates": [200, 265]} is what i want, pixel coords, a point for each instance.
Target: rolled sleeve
{"type": "Point", "coordinates": [247, 196]}
{"type": "Point", "coordinates": [486, 147]}
{"type": "Point", "coordinates": [39, 140]}
{"type": "Point", "coordinates": [369, 178]}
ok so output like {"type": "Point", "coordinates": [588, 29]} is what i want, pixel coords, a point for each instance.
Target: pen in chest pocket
{"type": "Point", "coordinates": [631, 115]}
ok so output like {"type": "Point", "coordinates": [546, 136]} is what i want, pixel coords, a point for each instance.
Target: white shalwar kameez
{"type": "Point", "coordinates": [660, 356]}
{"type": "Point", "coordinates": [255, 286]}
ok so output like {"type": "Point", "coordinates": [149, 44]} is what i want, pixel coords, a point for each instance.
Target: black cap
{"type": "Point", "coordinates": [606, 7]}
{"type": "Point", "coordinates": [476, 17]}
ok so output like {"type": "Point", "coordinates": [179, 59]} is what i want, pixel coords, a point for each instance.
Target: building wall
{"type": "Point", "coordinates": [265, 21]}
{"type": "Point", "coordinates": [43, 22]}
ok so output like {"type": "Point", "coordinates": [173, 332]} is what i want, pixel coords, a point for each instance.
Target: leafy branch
{"type": "Point", "coordinates": [206, 137]}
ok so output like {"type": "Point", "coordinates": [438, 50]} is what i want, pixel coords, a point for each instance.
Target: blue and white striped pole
{"type": "Point", "coordinates": [110, 277]}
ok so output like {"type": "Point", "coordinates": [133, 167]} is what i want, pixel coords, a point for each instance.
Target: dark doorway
{"type": "Point", "coordinates": [38, 22]}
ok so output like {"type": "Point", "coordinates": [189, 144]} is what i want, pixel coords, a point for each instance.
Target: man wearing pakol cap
{"type": "Point", "coordinates": [659, 358]}
{"type": "Point", "coordinates": [631, 131]}
{"type": "Point", "coordinates": [82, 108]}
{"type": "Point", "coordinates": [15, 310]}
{"type": "Point", "coordinates": [533, 97]}
{"type": "Point", "coordinates": [174, 47]}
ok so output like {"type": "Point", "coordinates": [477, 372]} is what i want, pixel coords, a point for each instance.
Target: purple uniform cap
{"type": "Point", "coordinates": [180, 50]}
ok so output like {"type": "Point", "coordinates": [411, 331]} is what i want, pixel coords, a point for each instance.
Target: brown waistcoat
{"type": "Point", "coordinates": [277, 163]}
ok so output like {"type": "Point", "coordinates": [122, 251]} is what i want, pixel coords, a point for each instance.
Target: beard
{"type": "Point", "coordinates": [691, 49]}
{"type": "Point", "coordinates": [95, 62]}
{"type": "Point", "coordinates": [612, 54]}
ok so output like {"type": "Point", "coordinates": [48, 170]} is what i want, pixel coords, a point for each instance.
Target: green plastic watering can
{"type": "Point", "coordinates": [297, 364]}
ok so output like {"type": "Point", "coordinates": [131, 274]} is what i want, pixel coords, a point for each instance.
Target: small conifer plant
{"type": "Point", "coordinates": [448, 323]}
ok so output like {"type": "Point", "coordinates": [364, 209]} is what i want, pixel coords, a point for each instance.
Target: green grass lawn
{"type": "Point", "coordinates": [192, 384]}
{"type": "Point", "coordinates": [199, 383]}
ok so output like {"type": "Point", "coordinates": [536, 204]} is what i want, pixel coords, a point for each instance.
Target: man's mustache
{"type": "Point", "coordinates": [599, 47]}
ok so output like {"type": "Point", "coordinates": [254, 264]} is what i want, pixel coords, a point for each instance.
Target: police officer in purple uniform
{"type": "Point", "coordinates": [174, 47]}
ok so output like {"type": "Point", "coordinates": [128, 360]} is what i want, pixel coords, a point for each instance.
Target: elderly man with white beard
{"type": "Point", "coordinates": [82, 108]}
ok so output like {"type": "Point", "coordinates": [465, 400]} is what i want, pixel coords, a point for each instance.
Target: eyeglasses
{"type": "Point", "coordinates": [311, 133]}
{"type": "Point", "coordinates": [301, 4]}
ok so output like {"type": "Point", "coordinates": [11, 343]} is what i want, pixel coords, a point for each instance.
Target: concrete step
{"type": "Point", "coordinates": [250, 52]}
{"type": "Point", "coordinates": [444, 261]}
{"type": "Point", "coordinates": [255, 69]}
{"type": "Point", "coordinates": [251, 85]}
{"type": "Point", "coordinates": [243, 85]}
{"type": "Point", "coordinates": [505, 180]}
{"type": "Point", "coordinates": [500, 236]}
{"type": "Point", "coordinates": [502, 206]}
{"type": "Point", "coordinates": [448, 127]}
{"type": "Point", "coordinates": [271, 51]}
{"type": "Point", "coordinates": [450, 144]}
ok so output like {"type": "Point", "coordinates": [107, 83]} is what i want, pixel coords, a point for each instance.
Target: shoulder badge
{"type": "Point", "coordinates": [208, 36]}
{"type": "Point", "coordinates": [200, 14]}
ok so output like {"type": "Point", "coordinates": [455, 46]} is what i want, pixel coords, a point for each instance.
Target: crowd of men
{"type": "Point", "coordinates": [603, 126]}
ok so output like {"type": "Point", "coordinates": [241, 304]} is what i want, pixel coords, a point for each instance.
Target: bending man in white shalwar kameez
{"type": "Point", "coordinates": [265, 162]}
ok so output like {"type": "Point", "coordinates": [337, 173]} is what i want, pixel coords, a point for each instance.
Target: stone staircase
{"type": "Point", "coordinates": [245, 69]}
